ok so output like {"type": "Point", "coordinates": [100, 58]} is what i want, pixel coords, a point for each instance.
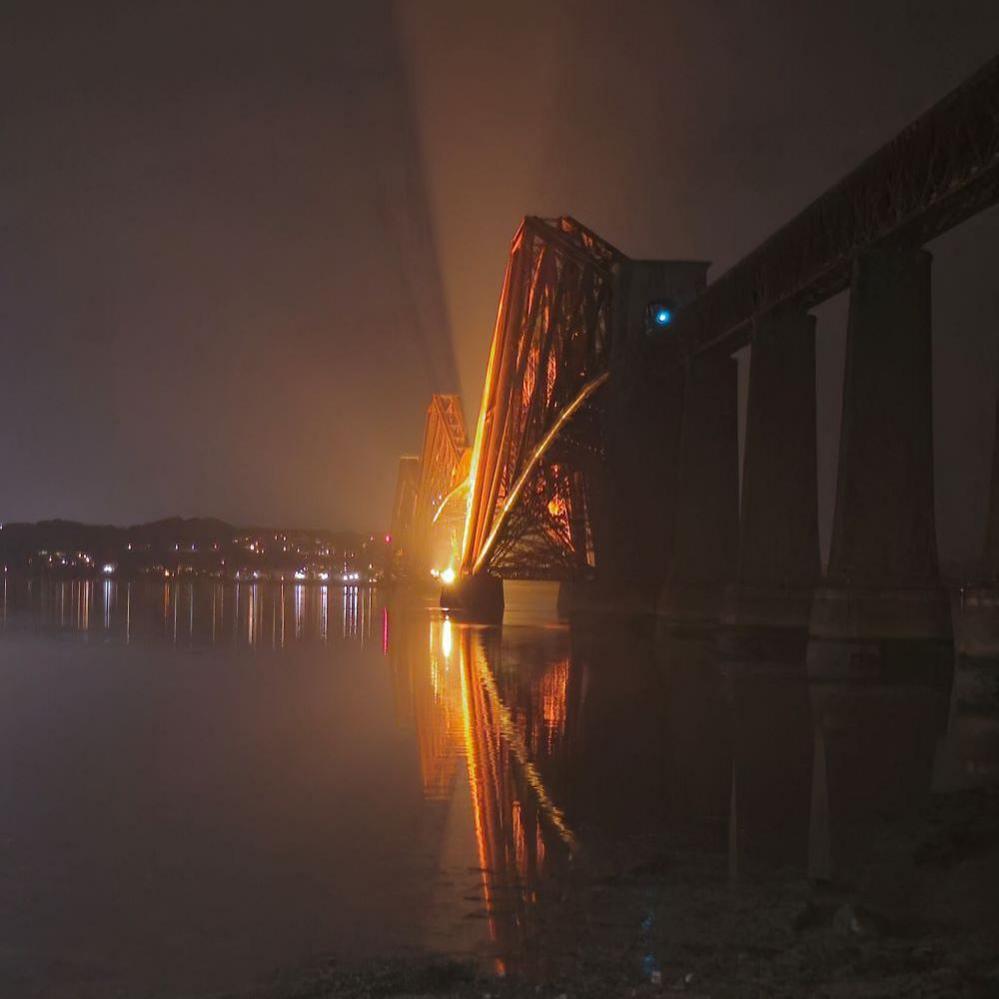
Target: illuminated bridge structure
{"type": "Point", "coordinates": [605, 452]}
{"type": "Point", "coordinates": [429, 511]}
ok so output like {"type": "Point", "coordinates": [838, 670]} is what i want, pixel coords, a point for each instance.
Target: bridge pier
{"type": "Point", "coordinates": [476, 598]}
{"type": "Point", "coordinates": [644, 416]}
{"type": "Point", "coordinates": [706, 524]}
{"type": "Point", "coordinates": [779, 561]}
{"type": "Point", "coordinates": [979, 627]}
{"type": "Point", "coordinates": [881, 605]}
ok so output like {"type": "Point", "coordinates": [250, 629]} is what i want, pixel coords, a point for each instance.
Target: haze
{"type": "Point", "coordinates": [241, 243]}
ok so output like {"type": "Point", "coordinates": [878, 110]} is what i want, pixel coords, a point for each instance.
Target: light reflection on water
{"type": "Point", "coordinates": [398, 774]}
{"type": "Point", "coordinates": [191, 613]}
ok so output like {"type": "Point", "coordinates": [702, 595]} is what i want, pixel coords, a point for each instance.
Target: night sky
{"type": "Point", "coordinates": [242, 243]}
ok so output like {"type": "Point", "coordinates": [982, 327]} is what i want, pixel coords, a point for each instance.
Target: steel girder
{"type": "Point", "coordinates": [940, 170]}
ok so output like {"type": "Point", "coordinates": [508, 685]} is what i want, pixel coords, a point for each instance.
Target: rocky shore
{"type": "Point", "coordinates": [919, 918]}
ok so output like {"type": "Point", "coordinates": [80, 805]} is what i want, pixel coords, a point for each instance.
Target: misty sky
{"type": "Point", "coordinates": [241, 243]}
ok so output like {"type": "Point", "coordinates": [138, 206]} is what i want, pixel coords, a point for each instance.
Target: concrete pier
{"type": "Point", "coordinates": [881, 605]}
{"type": "Point", "coordinates": [779, 563]}
{"type": "Point", "coordinates": [703, 557]}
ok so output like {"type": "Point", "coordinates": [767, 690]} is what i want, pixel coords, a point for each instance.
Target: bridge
{"type": "Point", "coordinates": [428, 514]}
{"type": "Point", "coordinates": [605, 452]}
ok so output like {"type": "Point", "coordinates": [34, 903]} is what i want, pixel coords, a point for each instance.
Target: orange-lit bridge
{"type": "Point", "coordinates": [605, 451]}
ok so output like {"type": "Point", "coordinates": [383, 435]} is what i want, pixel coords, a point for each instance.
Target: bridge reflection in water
{"type": "Point", "coordinates": [551, 758]}
{"type": "Point", "coordinates": [587, 755]}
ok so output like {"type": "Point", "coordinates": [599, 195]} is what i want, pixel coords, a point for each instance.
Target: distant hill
{"type": "Point", "coordinates": [106, 541]}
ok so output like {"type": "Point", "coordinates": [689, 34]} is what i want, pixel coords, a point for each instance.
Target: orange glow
{"type": "Point", "coordinates": [543, 445]}
{"type": "Point", "coordinates": [554, 700]}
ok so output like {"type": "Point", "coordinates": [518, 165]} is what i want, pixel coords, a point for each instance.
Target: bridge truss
{"type": "Point", "coordinates": [533, 485]}
{"type": "Point", "coordinates": [534, 503]}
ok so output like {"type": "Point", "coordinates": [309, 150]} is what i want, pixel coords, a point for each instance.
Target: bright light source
{"type": "Point", "coordinates": [448, 576]}
{"type": "Point", "coordinates": [659, 315]}
{"type": "Point", "coordinates": [324, 576]}
{"type": "Point", "coordinates": [299, 574]}
{"type": "Point", "coordinates": [436, 573]}
{"type": "Point", "coordinates": [108, 568]}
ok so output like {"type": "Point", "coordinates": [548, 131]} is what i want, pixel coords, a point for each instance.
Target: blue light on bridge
{"type": "Point", "coordinates": [658, 316]}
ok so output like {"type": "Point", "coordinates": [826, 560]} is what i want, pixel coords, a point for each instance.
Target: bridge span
{"type": "Point", "coordinates": [605, 452]}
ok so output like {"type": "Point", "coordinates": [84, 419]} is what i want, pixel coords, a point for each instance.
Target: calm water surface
{"type": "Point", "coordinates": [201, 783]}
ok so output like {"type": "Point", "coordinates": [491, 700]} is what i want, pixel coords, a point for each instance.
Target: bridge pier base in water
{"type": "Point", "coordinates": [979, 630]}
{"type": "Point", "coordinates": [779, 533]}
{"type": "Point", "coordinates": [475, 598]}
{"type": "Point", "coordinates": [881, 605]}
{"type": "Point", "coordinates": [705, 527]}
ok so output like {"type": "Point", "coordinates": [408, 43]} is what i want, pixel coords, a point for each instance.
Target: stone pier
{"type": "Point", "coordinates": [881, 605]}
{"type": "Point", "coordinates": [979, 602]}
{"type": "Point", "coordinates": [779, 563]}
{"type": "Point", "coordinates": [703, 555]}
{"type": "Point", "coordinates": [644, 413]}
{"type": "Point", "coordinates": [476, 598]}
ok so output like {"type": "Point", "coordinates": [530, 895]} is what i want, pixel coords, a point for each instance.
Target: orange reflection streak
{"type": "Point", "coordinates": [554, 691]}
{"type": "Point", "coordinates": [250, 615]}
{"type": "Point", "coordinates": [475, 783]}
{"type": "Point", "coordinates": [513, 738]}
{"type": "Point", "coordinates": [437, 709]}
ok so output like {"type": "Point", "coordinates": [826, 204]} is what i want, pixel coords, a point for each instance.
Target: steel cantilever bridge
{"type": "Point", "coordinates": [535, 471]}
{"type": "Point", "coordinates": [599, 365]}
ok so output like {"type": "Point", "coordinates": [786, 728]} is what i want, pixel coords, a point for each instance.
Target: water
{"type": "Point", "coordinates": [202, 783]}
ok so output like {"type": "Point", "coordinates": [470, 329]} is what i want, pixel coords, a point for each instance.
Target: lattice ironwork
{"type": "Point", "coordinates": [939, 171]}
{"type": "Point", "coordinates": [442, 463]}
{"type": "Point", "coordinates": [537, 445]}
{"type": "Point", "coordinates": [534, 483]}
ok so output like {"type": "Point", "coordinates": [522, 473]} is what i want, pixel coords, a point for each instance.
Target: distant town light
{"type": "Point", "coordinates": [448, 576]}
{"type": "Point", "coordinates": [299, 574]}
{"type": "Point", "coordinates": [108, 568]}
{"type": "Point", "coordinates": [324, 576]}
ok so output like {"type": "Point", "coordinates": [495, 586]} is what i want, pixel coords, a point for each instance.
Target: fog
{"type": "Point", "coordinates": [242, 243]}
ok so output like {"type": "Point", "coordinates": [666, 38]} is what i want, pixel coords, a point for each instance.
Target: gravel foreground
{"type": "Point", "coordinates": [921, 919]}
